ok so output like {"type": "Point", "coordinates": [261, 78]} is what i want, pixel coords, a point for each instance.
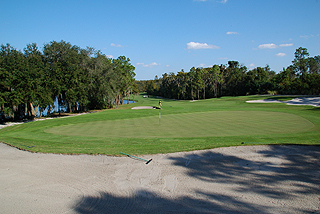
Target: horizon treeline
{"type": "Point", "coordinates": [79, 79]}
{"type": "Point", "coordinates": [234, 79]}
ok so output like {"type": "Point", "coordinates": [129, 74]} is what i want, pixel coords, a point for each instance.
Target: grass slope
{"type": "Point", "coordinates": [200, 124]}
{"type": "Point", "coordinates": [184, 126]}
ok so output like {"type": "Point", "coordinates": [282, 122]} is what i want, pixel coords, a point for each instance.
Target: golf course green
{"type": "Point", "coordinates": [178, 126]}
{"type": "Point", "coordinates": [204, 124]}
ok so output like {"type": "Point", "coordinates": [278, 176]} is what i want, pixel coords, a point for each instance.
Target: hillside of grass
{"type": "Point", "coordinates": [183, 126]}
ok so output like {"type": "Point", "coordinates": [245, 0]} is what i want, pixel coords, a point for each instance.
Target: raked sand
{"type": "Point", "coordinates": [311, 101]}
{"type": "Point", "coordinates": [244, 179]}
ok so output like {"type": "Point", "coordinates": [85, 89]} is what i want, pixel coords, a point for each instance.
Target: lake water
{"type": "Point", "coordinates": [63, 109]}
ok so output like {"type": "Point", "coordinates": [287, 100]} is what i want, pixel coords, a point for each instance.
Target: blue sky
{"type": "Point", "coordinates": [163, 36]}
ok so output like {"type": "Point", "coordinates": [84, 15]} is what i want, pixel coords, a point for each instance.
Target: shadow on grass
{"type": "Point", "coordinates": [300, 166]}
{"type": "Point", "coordinates": [314, 109]}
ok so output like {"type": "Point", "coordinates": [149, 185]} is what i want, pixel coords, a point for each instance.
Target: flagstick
{"type": "Point", "coordinates": [160, 105]}
{"type": "Point", "coordinates": [159, 116]}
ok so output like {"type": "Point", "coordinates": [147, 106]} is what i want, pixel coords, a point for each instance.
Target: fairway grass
{"type": "Point", "coordinates": [184, 126]}
{"type": "Point", "coordinates": [203, 124]}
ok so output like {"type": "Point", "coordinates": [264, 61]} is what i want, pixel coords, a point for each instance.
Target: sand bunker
{"type": "Point", "coordinates": [312, 101]}
{"type": "Point", "coordinates": [145, 107]}
{"type": "Point", "coordinates": [248, 179]}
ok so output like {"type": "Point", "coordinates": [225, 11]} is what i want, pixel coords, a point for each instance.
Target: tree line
{"type": "Point", "coordinates": [79, 79]}
{"type": "Point", "coordinates": [234, 79]}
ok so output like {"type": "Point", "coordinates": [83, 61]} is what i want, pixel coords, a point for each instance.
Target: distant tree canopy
{"type": "Point", "coordinates": [85, 79]}
{"type": "Point", "coordinates": [234, 79]}
{"type": "Point", "coordinates": [80, 79]}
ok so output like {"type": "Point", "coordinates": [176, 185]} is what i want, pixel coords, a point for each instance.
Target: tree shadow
{"type": "Point", "coordinates": [313, 101]}
{"type": "Point", "coordinates": [300, 165]}
{"type": "Point", "coordinates": [143, 201]}
{"type": "Point", "coordinates": [314, 109]}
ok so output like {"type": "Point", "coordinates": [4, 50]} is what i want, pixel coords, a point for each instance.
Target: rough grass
{"type": "Point", "coordinates": [184, 126]}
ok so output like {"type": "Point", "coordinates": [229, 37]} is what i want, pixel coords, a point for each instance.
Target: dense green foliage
{"type": "Point", "coordinates": [302, 77]}
{"type": "Point", "coordinates": [80, 79]}
{"type": "Point", "coordinates": [85, 79]}
{"type": "Point", "coordinates": [184, 126]}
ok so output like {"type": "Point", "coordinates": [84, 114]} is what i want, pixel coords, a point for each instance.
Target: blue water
{"type": "Point", "coordinates": [63, 109]}
{"type": "Point", "coordinates": [126, 101]}
{"type": "Point", "coordinates": [55, 109]}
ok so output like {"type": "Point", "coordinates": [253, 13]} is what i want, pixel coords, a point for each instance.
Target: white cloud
{"type": "Point", "coordinates": [203, 65]}
{"type": "Point", "coordinates": [251, 65]}
{"type": "Point", "coordinates": [286, 45]}
{"type": "Point", "coordinates": [148, 65]}
{"type": "Point", "coordinates": [224, 58]}
{"type": "Point", "coordinates": [281, 54]}
{"type": "Point", "coordinates": [271, 45]}
{"type": "Point", "coordinates": [197, 45]}
{"type": "Point", "coordinates": [116, 45]}
{"type": "Point", "coordinates": [307, 37]}
{"type": "Point", "coordinates": [222, 1]}
{"type": "Point", "coordinates": [109, 56]}
{"type": "Point", "coordinates": [230, 33]}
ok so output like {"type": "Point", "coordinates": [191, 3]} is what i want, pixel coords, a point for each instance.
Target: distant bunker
{"type": "Point", "coordinates": [145, 107]}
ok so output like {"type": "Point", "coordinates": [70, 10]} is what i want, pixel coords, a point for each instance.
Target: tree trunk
{"type": "Point", "coordinates": [204, 91]}
{"type": "Point", "coordinates": [59, 104]}
{"type": "Point", "coordinates": [191, 90]}
{"type": "Point", "coordinates": [36, 110]}
{"type": "Point", "coordinates": [69, 104]}
{"type": "Point", "coordinates": [117, 101]}
{"type": "Point", "coordinates": [128, 97]}
{"type": "Point", "coordinates": [32, 112]}
{"type": "Point", "coordinates": [215, 85]}
{"type": "Point", "coordinates": [26, 109]}
{"type": "Point", "coordinates": [49, 110]}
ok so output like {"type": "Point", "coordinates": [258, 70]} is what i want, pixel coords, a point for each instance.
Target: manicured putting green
{"type": "Point", "coordinates": [203, 124]}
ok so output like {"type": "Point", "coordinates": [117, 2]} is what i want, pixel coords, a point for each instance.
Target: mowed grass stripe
{"type": "Point", "coordinates": [203, 124]}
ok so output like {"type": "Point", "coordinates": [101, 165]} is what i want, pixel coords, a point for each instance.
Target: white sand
{"type": "Point", "coordinates": [248, 179]}
{"type": "Point", "coordinates": [144, 107]}
{"type": "Point", "coordinates": [312, 101]}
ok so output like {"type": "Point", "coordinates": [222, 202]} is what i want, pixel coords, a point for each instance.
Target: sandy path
{"type": "Point", "coordinates": [255, 179]}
